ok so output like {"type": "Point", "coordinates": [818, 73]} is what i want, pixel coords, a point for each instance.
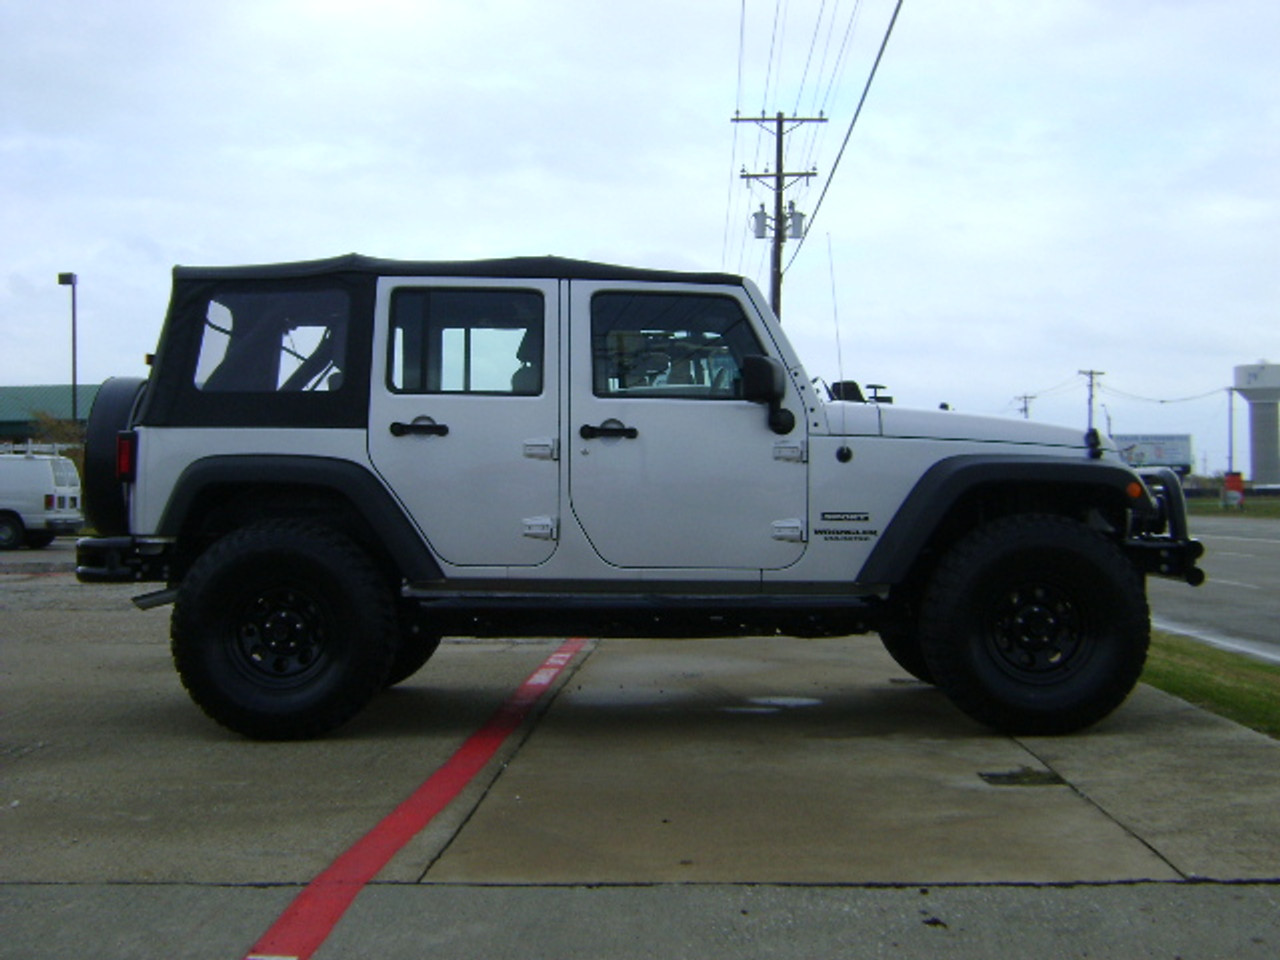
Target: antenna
{"type": "Point", "coordinates": [835, 310]}
{"type": "Point", "coordinates": [843, 453]}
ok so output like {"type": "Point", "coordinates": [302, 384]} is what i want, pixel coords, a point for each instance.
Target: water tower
{"type": "Point", "coordinates": [1259, 383]}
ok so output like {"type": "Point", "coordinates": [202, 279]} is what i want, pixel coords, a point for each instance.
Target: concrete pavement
{"type": "Point", "coordinates": [724, 798]}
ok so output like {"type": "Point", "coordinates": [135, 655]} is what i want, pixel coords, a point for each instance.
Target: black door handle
{"type": "Point", "coordinates": [607, 429]}
{"type": "Point", "coordinates": [399, 429]}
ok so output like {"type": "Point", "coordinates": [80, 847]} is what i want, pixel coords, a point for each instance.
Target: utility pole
{"type": "Point", "coordinates": [1231, 430]}
{"type": "Point", "coordinates": [1025, 408]}
{"type": "Point", "coordinates": [1093, 375]}
{"type": "Point", "coordinates": [782, 223]}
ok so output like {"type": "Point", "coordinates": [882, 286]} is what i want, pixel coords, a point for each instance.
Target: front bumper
{"type": "Point", "coordinates": [1163, 546]}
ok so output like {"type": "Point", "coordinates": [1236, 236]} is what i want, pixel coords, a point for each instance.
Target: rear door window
{"type": "Point", "coordinates": [453, 340]}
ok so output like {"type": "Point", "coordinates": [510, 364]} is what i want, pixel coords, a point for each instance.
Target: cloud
{"type": "Point", "coordinates": [1032, 188]}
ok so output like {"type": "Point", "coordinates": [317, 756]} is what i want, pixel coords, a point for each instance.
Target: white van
{"type": "Point", "coordinates": [39, 499]}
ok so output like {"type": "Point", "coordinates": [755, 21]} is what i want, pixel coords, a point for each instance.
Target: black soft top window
{"type": "Point", "coordinates": [247, 352]}
{"type": "Point", "coordinates": [274, 341]}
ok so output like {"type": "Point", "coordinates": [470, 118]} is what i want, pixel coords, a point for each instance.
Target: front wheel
{"type": "Point", "coordinates": [903, 645]}
{"type": "Point", "coordinates": [1035, 624]}
{"type": "Point", "coordinates": [283, 630]}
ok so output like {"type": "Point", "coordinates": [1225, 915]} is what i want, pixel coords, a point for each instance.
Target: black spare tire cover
{"type": "Point", "coordinates": [105, 505]}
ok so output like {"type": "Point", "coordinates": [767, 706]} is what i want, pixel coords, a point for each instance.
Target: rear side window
{"type": "Point", "coordinates": [280, 341]}
{"type": "Point", "coordinates": [255, 350]}
{"type": "Point", "coordinates": [64, 473]}
{"type": "Point", "coordinates": [448, 340]}
{"type": "Point", "coordinates": [677, 346]}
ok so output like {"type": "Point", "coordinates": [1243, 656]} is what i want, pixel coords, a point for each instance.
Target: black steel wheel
{"type": "Point", "coordinates": [1036, 624]}
{"type": "Point", "coordinates": [283, 630]}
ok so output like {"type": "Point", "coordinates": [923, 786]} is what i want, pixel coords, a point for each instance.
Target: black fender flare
{"type": "Point", "coordinates": [944, 484]}
{"type": "Point", "coordinates": [357, 484]}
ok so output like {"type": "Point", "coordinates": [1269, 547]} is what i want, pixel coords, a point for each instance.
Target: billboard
{"type": "Point", "coordinates": [1156, 450]}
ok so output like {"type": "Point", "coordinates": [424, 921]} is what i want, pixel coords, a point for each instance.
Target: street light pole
{"type": "Point", "coordinates": [69, 280]}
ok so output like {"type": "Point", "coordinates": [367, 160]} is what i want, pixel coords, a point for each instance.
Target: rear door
{"type": "Point", "coordinates": [464, 418]}
{"type": "Point", "coordinates": [668, 466]}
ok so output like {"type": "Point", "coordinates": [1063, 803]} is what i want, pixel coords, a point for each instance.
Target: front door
{"type": "Point", "coordinates": [668, 466]}
{"type": "Point", "coordinates": [464, 418]}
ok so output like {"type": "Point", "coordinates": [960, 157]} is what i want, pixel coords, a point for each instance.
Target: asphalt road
{"type": "Point", "coordinates": [1238, 606]}
{"type": "Point", "coordinates": [755, 797]}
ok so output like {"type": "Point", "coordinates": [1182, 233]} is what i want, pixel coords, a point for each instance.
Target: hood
{"type": "Point", "coordinates": [905, 423]}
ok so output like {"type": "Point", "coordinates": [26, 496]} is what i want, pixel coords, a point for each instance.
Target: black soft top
{"type": "Point", "coordinates": [524, 268]}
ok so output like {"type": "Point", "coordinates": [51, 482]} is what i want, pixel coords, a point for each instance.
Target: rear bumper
{"type": "Point", "coordinates": [1164, 546]}
{"type": "Point", "coordinates": [61, 526]}
{"type": "Point", "coordinates": [121, 560]}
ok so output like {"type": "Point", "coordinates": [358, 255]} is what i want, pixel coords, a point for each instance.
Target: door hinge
{"type": "Point", "coordinates": [792, 451]}
{"type": "Point", "coordinates": [540, 528]}
{"type": "Point", "coordinates": [791, 531]}
{"type": "Point", "coordinates": [542, 448]}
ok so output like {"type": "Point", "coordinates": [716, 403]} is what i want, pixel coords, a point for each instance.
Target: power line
{"type": "Point", "coordinates": [838, 68]}
{"type": "Point", "coordinates": [857, 113]}
{"type": "Point", "coordinates": [808, 60]}
{"type": "Point", "coordinates": [733, 153]}
{"type": "Point", "coordinates": [773, 46]}
{"type": "Point", "coordinates": [820, 99]}
{"type": "Point", "coordinates": [1132, 396]}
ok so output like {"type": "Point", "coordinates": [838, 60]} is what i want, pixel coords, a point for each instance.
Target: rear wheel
{"type": "Point", "coordinates": [1035, 624]}
{"type": "Point", "coordinates": [415, 645]}
{"type": "Point", "coordinates": [283, 630]}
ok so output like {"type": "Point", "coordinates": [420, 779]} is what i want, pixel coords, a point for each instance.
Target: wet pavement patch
{"type": "Point", "coordinates": [1023, 777]}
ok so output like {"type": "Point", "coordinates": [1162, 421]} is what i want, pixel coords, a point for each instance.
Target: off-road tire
{"type": "Point", "coordinates": [903, 645]}
{"type": "Point", "coordinates": [416, 644]}
{"type": "Point", "coordinates": [283, 630]}
{"type": "Point", "coordinates": [1035, 624]}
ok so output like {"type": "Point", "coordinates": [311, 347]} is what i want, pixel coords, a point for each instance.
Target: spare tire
{"type": "Point", "coordinates": [105, 505]}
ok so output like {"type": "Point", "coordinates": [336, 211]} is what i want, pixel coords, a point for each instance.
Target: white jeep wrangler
{"type": "Point", "coordinates": [333, 464]}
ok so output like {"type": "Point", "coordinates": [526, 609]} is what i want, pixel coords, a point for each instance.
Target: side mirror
{"type": "Point", "coordinates": [764, 380]}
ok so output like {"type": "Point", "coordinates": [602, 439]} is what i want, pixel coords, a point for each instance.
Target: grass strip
{"type": "Point", "coordinates": [1255, 507]}
{"type": "Point", "coordinates": [1231, 685]}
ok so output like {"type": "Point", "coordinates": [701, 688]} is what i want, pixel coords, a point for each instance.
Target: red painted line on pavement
{"type": "Point", "coordinates": [308, 921]}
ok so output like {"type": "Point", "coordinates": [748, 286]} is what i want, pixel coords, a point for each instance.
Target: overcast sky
{"type": "Point", "coordinates": [1034, 188]}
